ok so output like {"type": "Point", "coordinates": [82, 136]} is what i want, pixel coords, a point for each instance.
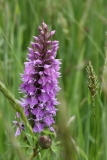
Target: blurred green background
{"type": "Point", "coordinates": [80, 29]}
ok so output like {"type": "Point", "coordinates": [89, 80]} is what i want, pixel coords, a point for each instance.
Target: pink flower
{"type": "Point", "coordinates": [40, 80]}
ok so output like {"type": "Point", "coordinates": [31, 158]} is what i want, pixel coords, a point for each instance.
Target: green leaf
{"type": "Point", "coordinates": [80, 151]}
{"type": "Point", "coordinates": [29, 138]}
{"type": "Point", "coordinates": [24, 145]}
{"type": "Point", "coordinates": [29, 151]}
{"type": "Point", "coordinates": [56, 146]}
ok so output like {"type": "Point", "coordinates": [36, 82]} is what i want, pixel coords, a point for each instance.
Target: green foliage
{"type": "Point", "coordinates": [80, 29]}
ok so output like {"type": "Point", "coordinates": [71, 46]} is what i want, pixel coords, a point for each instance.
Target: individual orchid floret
{"type": "Point", "coordinates": [40, 81]}
{"type": "Point", "coordinates": [20, 127]}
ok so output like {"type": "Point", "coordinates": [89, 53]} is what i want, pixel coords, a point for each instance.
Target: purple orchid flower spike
{"type": "Point", "coordinates": [40, 81]}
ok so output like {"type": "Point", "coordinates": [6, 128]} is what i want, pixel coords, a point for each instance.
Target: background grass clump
{"type": "Point", "coordinates": [80, 29]}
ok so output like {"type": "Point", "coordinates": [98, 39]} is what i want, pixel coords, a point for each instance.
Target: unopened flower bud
{"type": "Point", "coordinates": [45, 142]}
{"type": "Point", "coordinates": [40, 28]}
{"type": "Point", "coordinates": [45, 27]}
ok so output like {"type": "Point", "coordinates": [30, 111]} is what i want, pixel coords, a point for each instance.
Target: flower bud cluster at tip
{"type": "Point", "coordinates": [40, 81]}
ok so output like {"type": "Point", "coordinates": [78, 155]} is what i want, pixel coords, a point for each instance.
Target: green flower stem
{"type": "Point", "coordinates": [15, 104]}
{"type": "Point", "coordinates": [35, 152]}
